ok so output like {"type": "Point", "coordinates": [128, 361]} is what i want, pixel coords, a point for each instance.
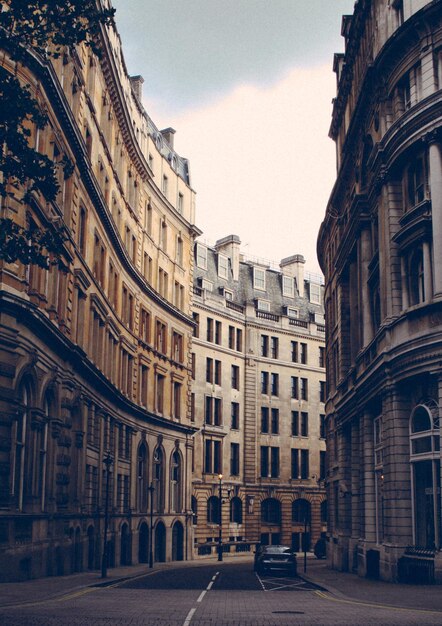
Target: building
{"type": "Point", "coordinates": [380, 247]}
{"type": "Point", "coordinates": [258, 394]}
{"type": "Point", "coordinates": [94, 363]}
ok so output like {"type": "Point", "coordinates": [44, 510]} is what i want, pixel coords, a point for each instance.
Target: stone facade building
{"type": "Point", "coordinates": [380, 247]}
{"type": "Point", "coordinates": [95, 361]}
{"type": "Point", "coordinates": [258, 396]}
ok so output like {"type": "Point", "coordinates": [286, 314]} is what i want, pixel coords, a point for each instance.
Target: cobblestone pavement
{"type": "Point", "coordinates": [212, 594]}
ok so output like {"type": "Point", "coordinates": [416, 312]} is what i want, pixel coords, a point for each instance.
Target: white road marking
{"type": "Point", "coordinates": [189, 617]}
{"type": "Point", "coordinates": [202, 594]}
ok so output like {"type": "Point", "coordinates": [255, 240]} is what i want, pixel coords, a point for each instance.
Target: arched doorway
{"type": "Point", "coordinates": [91, 547]}
{"type": "Point", "coordinates": [125, 545]}
{"type": "Point", "coordinates": [270, 521]}
{"type": "Point", "coordinates": [160, 543]}
{"type": "Point", "coordinates": [177, 542]}
{"type": "Point", "coordinates": [301, 523]}
{"type": "Point", "coordinates": [143, 543]}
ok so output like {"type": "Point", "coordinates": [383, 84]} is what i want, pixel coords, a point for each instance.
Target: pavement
{"type": "Point", "coordinates": [342, 585]}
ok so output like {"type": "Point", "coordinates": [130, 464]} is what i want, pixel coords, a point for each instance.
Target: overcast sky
{"type": "Point", "coordinates": [247, 85]}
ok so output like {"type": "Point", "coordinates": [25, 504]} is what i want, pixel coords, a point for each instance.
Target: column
{"type": "Point", "coordinates": [435, 162]}
{"type": "Point", "coordinates": [428, 283]}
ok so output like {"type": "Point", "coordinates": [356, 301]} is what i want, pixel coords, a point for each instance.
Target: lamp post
{"type": "Point", "coordinates": [108, 462]}
{"type": "Point", "coordinates": [220, 536]}
{"type": "Point", "coordinates": [151, 489]}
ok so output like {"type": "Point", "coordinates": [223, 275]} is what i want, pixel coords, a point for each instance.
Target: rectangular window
{"type": "Point", "coordinates": [264, 345]}
{"type": "Point", "coordinates": [239, 339]}
{"type": "Point", "coordinates": [265, 382]}
{"type": "Point", "coordinates": [259, 279]}
{"type": "Point", "coordinates": [295, 463]}
{"type": "Point", "coordinates": [235, 377]}
{"type": "Point", "coordinates": [295, 387]}
{"type": "Point", "coordinates": [218, 333]}
{"type": "Point", "coordinates": [263, 305]}
{"type": "Point", "coordinates": [209, 370]}
{"type": "Point", "coordinates": [193, 365]}
{"type": "Point", "coordinates": [217, 411]}
{"type": "Point", "coordinates": [295, 423]}
{"type": "Point", "coordinates": [144, 325]}
{"type": "Point", "coordinates": [275, 421]}
{"type": "Point", "coordinates": [288, 286]}
{"type": "Point", "coordinates": [143, 385]}
{"type": "Point", "coordinates": [223, 266]}
{"type": "Point", "coordinates": [274, 381]}
{"type": "Point", "coordinates": [264, 419]}
{"type": "Point", "coordinates": [274, 462]}
{"type": "Point", "coordinates": [180, 204]}
{"type": "Point", "coordinates": [165, 185]}
{"type": "Point", "coordinates": [234, 459]}
{"type": "Point", "coordinates": [321, 356]}
{"type": "Point", "coordinates": [161, 337]}
{"type": "Point", "coordinates": [177, 347]}
{"type": "Point", "coordinates": [315, 293]}
{"type": "Point", "coordinates": [209, 410]}
{"type": "Point", "coordinates": [217, 372]}
{"type": "Point", "coordinates": [322, 397]}
{"type": "Point", "coordinates": [231, 338]}
{"type": "Point", "coordinates": [304, 424]}
{"type": "Point", "coordinates": [234, 424]}
{"type": "Point", "coordinates": [274, 347]}
{"type": "Point", "coordinates": [294, 351]}
{"type": "Point", "coordinates": [209, 335]}
{"type": "Point", "coordinates": [304, 353]}
{"type": "Point", "coordinates": [264, 461]}
{"type": "Point", "coordinates": [176, 399]}
{"type": "Point", "coordinates": [201, 256]}
{"type": "Point", "coordinates": [269, 462]}
{"type": "Point", "coordinates": [304, 465]}
{"type": "Point", "coordinates": [160, 393]}
{"type": "Point", "coordinates": [322, 426]}
{"type": "Point", "coordinates": [212, 457]}
{"type": "Point", "coordinates": [322, 466]}
{"type": "Point", "coordinates": [196, 328]}
{"type": "Point", "coordinates": [304, 389]}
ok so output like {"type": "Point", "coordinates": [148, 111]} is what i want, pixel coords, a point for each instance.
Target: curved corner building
{"type": "Point", "coordinates": [380, 247]}
{"type": "Point", "coordinates": [94, 363]}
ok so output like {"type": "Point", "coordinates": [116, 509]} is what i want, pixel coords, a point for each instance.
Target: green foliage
{"type": "Point", "coordinates": [47, 28]}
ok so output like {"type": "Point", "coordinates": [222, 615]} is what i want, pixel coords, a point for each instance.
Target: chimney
{"type": "Point", "coordinates": [294, 266]}
{"type": "Point", "coordinates": [230, 247]}
{"type": "Point", "coordinates": [168, 134]}
{"type": "Point", "coordinates": [137, 86]}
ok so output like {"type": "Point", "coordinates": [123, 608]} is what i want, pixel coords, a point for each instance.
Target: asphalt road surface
{"type": "Point", "coordinates": [220, 594]}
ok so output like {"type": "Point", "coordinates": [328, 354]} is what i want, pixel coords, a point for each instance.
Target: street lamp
{"type": "Point", "coordinates": [151, 489]}
{"type": "Point", "coordinates": [104, 559]}
{"type": "Point", "coordinates": [220, 536]}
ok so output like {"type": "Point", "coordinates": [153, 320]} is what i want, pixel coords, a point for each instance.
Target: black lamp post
{"type": "Point", "coordinates": [104, 559]}
{"type": "Point", "coordinates": [151, 489]}
{"type": "Point", "coordinates": [220, 536]}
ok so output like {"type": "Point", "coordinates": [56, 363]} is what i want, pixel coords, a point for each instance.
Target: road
{"type": "Point", "coordinates": [219, 594]}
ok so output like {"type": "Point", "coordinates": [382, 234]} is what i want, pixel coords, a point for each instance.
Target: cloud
{"type": "Point", "coordinates": [261, 162]}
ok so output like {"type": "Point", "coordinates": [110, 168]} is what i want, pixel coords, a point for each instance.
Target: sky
{"type": "Point", "coordinates": [248, 86]}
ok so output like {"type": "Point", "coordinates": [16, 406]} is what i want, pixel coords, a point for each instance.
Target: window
{"type": "Point", "coordinates": [159, 404]}
{"type": "Point", "coordinates": [269, 462]}
{"type": "Point", "coordinates": [209, 370]}
{"type": "Point", "coordinates": [304, 353]}
{"type": "Point", "coordinates": [274, 347]}
{"type": "Point", "coordinates": [180, 204]}
{"type": "Point", "coordinates": [259, 279]}
{"type": "Point", "coordinates": [82, 231]}
{"type": "Point", "coordinates": [161, 337]}
{"type": "Point", "coordinates": [274, 383]}
{"type": "Point", "coordinates": [264, 345]}
{"type": "Point", "coordinates": [322, 430]}
{"type": "Point", "coordinates": [294, 463]}
{"type": "Point", "coordinates": [217, 372]}
{"type": "Point", "coordinates": [416, 182]}
{"type": "Point", "coordinates": [304, 424]}
{"type": "Point", "coordinates": [294, 352]}
{"type": "Point", "coordinates": [196, 328]}
{"type": "Point", "coordinates": [322, 397]}
{"type": "Point", "coordinates": [213, 510]}
{"type": "Point", "coordinates": [236, 511]}
{"type": "Point", "coordinates": [265, 382]}
{"type": "Point", "coordinates": [231, 337]}
{"type": "Point", "coordinates": [165, 185]}
{"type": "Point", "coordinates": [299, 464]}
{"type": "Point", "coordinates": [234, 424]}
{"type": "Point", "coordinates": [213, 415]}
{"type": "Point", "coordinates": [223, 266]}
{"type": "Point", "coordinates": [179, 251]}
{"type": "Point", "coordinates": [263, 305]}
{"type": "Point", "coordinates": [271, 511]}
{"type": "Point", "coordinates": [177, 347]}
{"type": "Point", "coordinates": [239, 339]}
{"type": "Point", "coordinates": [175, 486]}
{"type": "Point", "coordinates": [275, 421]}
{"type": "Point", "coordinates": [295, 387]}
{"type": "Point", "coordinates": [234, 459]}
{"type": "Point", "coordinates": [304, 389]}
{"type": "Point", "coordinates": [288, 286]}
{"type": "Point", "coordinates": [176, 400]}
{"type": "Point", "coordinates": [416, 284]}
{"type": "Point", "coordinates": [295, 423]}
{"type": "Point", "coordinates": [143, 385]}
{"type": "Point", "coordinates": [235, 377]}
{"type": "Point", "coordinates": [321, 356]}
{"type": "Point", "coordinates": [201, 256]}
{"type": "Point", "coordinates": [315, 293]}
{"type": "Point", "coordinates": [322, 466]}
{"type": "Point", "coordinates": [291, 312]}
{"type": "Point", "coordinates": [207, 285]}
{"type": "Point", "coordinates": [209, 334]}
{"type": "Point", "coordinates": [218, 333]}
{"type": "Point", "coordinates": [212, 457]}
{"type": "Point", "coordinates": [301, 511]}
{"type": "Point", "coordinates": [304, 464]}
{"type": "Point", "coordinates": [264, 419]}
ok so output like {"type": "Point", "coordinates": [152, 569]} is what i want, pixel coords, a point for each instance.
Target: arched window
{"type": "Point", "coordinates": [142, 477]}
{"type": "Point", "coordinates": [19, 485]}
{"type": "Point", "coordinates": [158, 480]}
{"type": "Point", "coordinates": [425, 471]}
{"type": "Point", "coordinates": [213, 510]}
{"type": "Point", "coordinates": [301, 511]}
{"type": "Point", "coordinates": [175, 482]}
{"type": "Point", "coordinates": [271, 511]}
{"type": "Point", "coordinates": [236, 511]}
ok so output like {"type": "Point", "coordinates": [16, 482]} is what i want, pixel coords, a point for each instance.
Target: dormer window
{"type": "Point", "coordinates": [288, 287]}
{"type": "Point", "coordinates": [259, 279]}
{"type": "Point", "coordinates": [315, 293]}
{"type": "Point", "coordinates": [263, 305]}
{"type": "Point", "coordinates": [223, 266]}
{"type": "Point", "coordinates": [207, 285]}
{"type": "Point", "coordinates": [291, 312]}
{"type": "Point", "coordinates": [201, 256]}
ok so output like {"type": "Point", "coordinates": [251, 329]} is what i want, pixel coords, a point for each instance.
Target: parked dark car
{"type": "Point", "coordinates": [275, 559]}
